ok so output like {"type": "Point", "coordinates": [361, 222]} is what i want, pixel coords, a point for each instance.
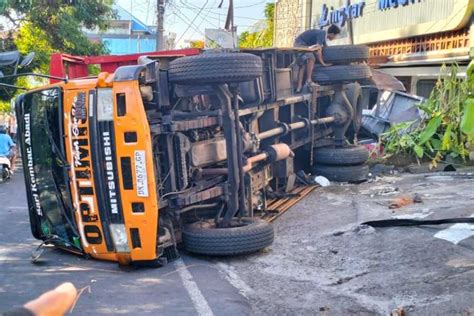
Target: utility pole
{"type": "Point", "coordinates": [160, 19]}
{"type": "Point", "coordinates": [229, 22]}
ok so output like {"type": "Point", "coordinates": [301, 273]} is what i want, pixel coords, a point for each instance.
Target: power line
{"type": "Point", "coordinates": [184, 6]}
{"type": "Point", "coordinates": [204, 19]}
{"type": "Point", "coordinates": [186, 20]}
{"type": "Point", "coordinates": [192, 22]}
{"type": "Point", "coordinates": [251, 5]}
{"type": "Point", "coordinates": [178, 14]}
{"type": "Point", "coordinates": [147, 11]}
{"type": "Point", "coordinates": [189, 6]}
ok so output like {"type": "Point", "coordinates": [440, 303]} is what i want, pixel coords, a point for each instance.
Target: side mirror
{"type": "Point", "coordinates": [27, 59]}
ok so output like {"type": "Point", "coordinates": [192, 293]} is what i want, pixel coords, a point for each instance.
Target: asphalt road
{"type": "Point", "coordinates": [189, 286]}
{"type": "Point", "coordinates": [322, 261]}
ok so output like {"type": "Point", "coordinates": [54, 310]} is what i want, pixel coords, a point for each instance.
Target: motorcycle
{"type": "Point", "coordinates": [5, 169]}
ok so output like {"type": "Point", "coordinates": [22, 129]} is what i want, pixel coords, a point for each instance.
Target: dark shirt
{"type": "Point", "coordinates": [311, 37]}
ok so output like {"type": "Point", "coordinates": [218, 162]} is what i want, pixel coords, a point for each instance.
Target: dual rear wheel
{"type": "Point", "coordinates": [342, 164]}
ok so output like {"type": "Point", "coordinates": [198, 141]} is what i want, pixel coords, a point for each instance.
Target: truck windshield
{"type": "Point", "coordinates": [47, 167]}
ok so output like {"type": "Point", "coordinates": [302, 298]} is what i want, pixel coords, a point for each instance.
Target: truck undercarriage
{"type": "Point", "coordinates": [227, 135]}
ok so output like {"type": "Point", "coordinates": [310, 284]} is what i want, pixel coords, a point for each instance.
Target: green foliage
{"type": "Point", "coordinates": [31, 38]}
{"type": "Point", "coordinates": [470, 75]}
{"type": "Point", "coordinates": [197, 44]}
{"type": "Point", "coordinates": [4, 106]}
{"type": "Point", "coordinates": [448, 127]}
{"type": "Point", "coordinates": [263, 38]}
{"type": "Point", "coordinates": [59, 25]}
{"type": "Point", "coordinates": [467, 123]}
{"type": "Point", "coordinates": [53, 27]}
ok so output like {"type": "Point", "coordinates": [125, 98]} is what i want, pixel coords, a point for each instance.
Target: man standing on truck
{"type": "Point", "coordinates": [312, 39]}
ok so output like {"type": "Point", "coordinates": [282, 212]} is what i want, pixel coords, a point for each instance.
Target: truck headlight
{"type": "Point", "coordinates": [119, 237]}
{"type": "Point", "coordinates": [105, 105]}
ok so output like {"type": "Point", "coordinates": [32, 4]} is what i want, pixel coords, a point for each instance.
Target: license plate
{"type": "Point", "coordinates": [141, 174]}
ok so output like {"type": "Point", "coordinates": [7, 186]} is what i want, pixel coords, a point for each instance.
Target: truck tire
{"type": "Point", "coordinates": [250, 235]}
{"type": "Point", "coordinates": [215, 68]}
{"type": "Point", "coordinates": [352, 174]}
{"type": "Point", "coordinates": [345, 156]}
{"type": "Point", "coordinates": [341, 73]}
{"type": "Point", "coordinates": [354, 95]}
{"type": "Point", "coordinates": [345, 54]}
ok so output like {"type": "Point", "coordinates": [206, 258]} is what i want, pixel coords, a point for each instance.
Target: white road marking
{"type": "Point", "coordinates": [233, 278]}
{"type": "Point", "coordinates": [199, 301]}
{"type": "Point", "coordinates": [456, 233]}
{"type": "Point", "coordinates": [413, 216]}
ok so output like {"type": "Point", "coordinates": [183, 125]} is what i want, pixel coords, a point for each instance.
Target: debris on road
{"type": "Point", "coordinates": [339, 264]}
{"type": "Point", "coordinates": [417, 198]}
{"type": "Point", "coordinates": [322, 181]}
{"type": "Point", "coordinates": [400, 202]}
{"type": "Point", "coordinates": [398, 312]}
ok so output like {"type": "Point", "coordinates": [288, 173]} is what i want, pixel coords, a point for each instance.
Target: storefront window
{"type": "Point", "coordinates": [424, 87]}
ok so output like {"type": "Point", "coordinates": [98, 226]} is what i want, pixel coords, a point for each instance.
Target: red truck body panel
{"type": "Point", "coordinates": [63, 65]}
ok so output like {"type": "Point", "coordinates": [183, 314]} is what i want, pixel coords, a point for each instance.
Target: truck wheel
{"type": "Point", "coordinates": [341, 73]}
{"type": "Point", "coordinates": [347, 155]}
{"type": "Point", "coordinates": [345, 54]}
{"type": "Point", "coordinates": [215, 68]}
{"type": "Point", "coordinates": [353, 174]}
{"type": "Point", "coordinates": [354, 95]}
{"type": "Point", "coordinates": [247, 236]}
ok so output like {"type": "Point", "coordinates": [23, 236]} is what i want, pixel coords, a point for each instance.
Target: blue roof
{"type": "Point", "coordinates": [137, 25]}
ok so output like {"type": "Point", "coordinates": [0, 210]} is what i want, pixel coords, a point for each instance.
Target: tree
{"type": "Point", "coordinates": [196, 44]}
{"type": "Point", "coordinates": [48, 26]}
{"type": "Point", "coordinates": [264, 37]}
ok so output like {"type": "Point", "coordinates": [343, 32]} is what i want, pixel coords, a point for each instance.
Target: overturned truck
{"type": "Point", "coordinates": [184, 151]}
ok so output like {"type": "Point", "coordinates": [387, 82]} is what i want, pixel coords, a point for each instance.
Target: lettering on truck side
{"type": "Point", "coordinates": [30, 164]}
{"type": "Point", "coordinates": [109, 168]}
{"type": "Point", "coordinates": [81, 159]}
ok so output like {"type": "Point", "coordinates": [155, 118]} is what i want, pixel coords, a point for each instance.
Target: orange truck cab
{"type": "Point", "coordinates": [77, 149]}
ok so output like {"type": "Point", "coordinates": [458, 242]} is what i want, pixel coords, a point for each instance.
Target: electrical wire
{"type": "Point", "coordinates": [251, 5]}
{"type": "Point", "coordinates": [189, 6]}
{"type": "Point", "coordinates": [204, 19]}
{"type": "Point", "coordinates": [215, 13]}
{"type": "Point", "coordinates": [192, 22]}
{"type": "Point", "coordinates": [180, 16]}
{"type": "Point", "coordinates": [184, 5]}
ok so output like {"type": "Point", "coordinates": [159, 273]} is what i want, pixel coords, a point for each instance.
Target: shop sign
{"type": "Point", "coordinates": [388, 4]}
{"type": "Point", "coordinates": [341, 15]}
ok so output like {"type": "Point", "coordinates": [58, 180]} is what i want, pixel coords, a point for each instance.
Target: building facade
{"type": "Point", "coordinates": [409, 39]}
{"type": "Point", "coordinates": [128, 35]}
